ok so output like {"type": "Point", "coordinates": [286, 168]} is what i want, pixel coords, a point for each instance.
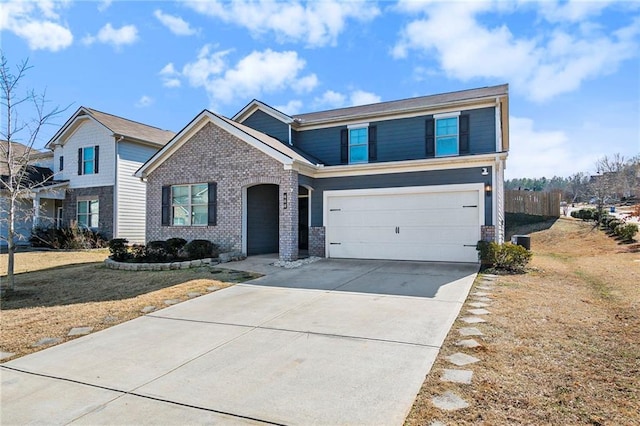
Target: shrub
{"type": "Point", "coordinates": [626, 231]}
{"type": "Point", "coordinates": [71, 237]}
{"type": "Point", "coordinates": [613, 224]}
{"type": "Point", "coordinates": [584, 214]}
{"type": "Point", "coordinates": [200, 249]}
{"type": "Point", "coordinates": [508, 257]}
{"type": "Point", "coordinates": [157, 251]}
{"type": "Point", "coordinates": [138, 253]}
{"type": "Point", "coordinates": [118, 249]}
{"type": "Point", "coordinates": [174, 245]}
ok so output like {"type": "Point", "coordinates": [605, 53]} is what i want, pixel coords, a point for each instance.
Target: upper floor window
{"type": "Point", "coordinates": [88, 160]}
{"type": "Point", "coordinates": [358, 144]}
{"type": "Point", "coordinates": [189, 205]}
{"type": "Point", "coordinates": [87, 213]}
{"type": "Point", "coordinates": [447, 135]}
{"type": "Point", "coordinates": [61, 163]}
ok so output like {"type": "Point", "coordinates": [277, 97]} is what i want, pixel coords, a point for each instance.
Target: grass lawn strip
{"type": "Point", "coordinates": [562, 343]}
{"type": "Point", "coordinates": [50, 300]}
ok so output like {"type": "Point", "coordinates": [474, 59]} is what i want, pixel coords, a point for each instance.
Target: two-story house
{"type": "Point", "coordinates": [95, 155]}
{"type": "Point", "coordinates": [413, 179]}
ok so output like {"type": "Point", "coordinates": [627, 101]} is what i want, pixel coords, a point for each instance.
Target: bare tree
{"type": "Point", "coordinates": [616, 178]}
{"type": "Point", "coordinates": [18, 136]}
{"type": "Point", "coordinates": [577, 185]}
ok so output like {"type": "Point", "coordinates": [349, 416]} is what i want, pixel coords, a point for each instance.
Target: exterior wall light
{"type": "Point", "coordinates": [487, 189]}
{"type": "Point", "coordinates": [284, 201]}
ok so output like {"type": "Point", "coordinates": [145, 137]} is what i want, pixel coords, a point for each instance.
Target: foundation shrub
{"type": "Point", "coordinates": [200, 249]}
{"type": "Point", "coordinates": [503, 257]}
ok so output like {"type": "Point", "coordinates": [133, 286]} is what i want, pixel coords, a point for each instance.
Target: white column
{"type": "Point", "coordinates": [36, 210]}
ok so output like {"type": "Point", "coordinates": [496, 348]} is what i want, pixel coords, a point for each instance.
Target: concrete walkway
{"type": "Point", "coordinates": [333, 342]}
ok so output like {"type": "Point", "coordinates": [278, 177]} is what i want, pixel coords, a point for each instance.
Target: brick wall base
{"type": "Point", "coordinates": [488, 233]}
{"type": "Point", "coordinates": [104, 194]}
{"type": "Point", "coordinates": [316, 241]}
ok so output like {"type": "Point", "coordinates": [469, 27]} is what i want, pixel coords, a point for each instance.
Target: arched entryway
{"type": "Point", "coordinates": [263, 218]}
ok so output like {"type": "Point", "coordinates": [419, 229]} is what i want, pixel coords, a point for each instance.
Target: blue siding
{"type": "Point", "coordinates": [265, 123]}
{"type": "Point", "coordinates": [482, 130]}
{"type": "Point", "coordinates": [323, 144]}
{"type": "Point", "coordinates": [436, 177]}
{"type": "Point", "coordinates": [401, 139]}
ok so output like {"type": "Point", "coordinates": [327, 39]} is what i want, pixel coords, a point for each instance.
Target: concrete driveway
{"type": "Point", "coordinates": [333, 342]}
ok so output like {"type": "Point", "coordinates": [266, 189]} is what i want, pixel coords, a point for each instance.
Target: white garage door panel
{"type": "Point", "coordinates": [434, 226]}
{"type": "Point", "coordinates": [444, 253]}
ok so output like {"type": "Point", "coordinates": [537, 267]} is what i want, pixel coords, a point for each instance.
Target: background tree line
{"type": "Point", "coordinates": [617, 179]}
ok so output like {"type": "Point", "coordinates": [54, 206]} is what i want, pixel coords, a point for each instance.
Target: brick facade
{"type": "Point", "coordinates": [104, 194]}
{"type": "Point", "coordinates": [214, 155]}
{"type": "Point", "coordinates": [488, 233]}
{"type": "Point", "coordinates": [316, 241]}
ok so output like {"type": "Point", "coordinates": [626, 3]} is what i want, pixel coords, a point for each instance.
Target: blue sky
{"type": "Point", "coordinates": [573, 67]}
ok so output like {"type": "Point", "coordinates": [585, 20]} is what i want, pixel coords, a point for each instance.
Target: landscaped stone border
{"type": "Point", "coordinates": [187, 264]}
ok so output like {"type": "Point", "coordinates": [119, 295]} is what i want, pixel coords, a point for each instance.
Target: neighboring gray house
{"type": "Point", "coordinates": [94, 157]}
{"type": "Point", "coordinates": [38, 175]}
{"type": "Point", "coordinates": [414, 179]}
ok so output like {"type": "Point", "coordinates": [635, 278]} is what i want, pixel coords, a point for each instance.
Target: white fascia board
{"type": "Point", "coordinates": [255, 105]}
{"type": "Point", "coordinates": [445, 163]}
{"type": "Point", "coordinates": [71, 126]}
{"type": "Point", "coordinates": [195, 126]}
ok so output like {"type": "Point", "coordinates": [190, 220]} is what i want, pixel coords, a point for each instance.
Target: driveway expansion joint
{"type": "Point", "coordinates": [132, 393]}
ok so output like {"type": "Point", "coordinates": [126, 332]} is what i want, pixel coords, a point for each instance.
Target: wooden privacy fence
{"type": "Point", "coordinates": [533, 203]}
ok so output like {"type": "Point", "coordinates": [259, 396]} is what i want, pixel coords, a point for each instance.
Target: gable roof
{"type": "Point", "coordinates": [119, 126]}
{"type": "Point", "coordinates": [255, 105]}
{"type": "Point", "coordinates": [20, 152]}
{"type": "Point", "coordinates": [402, 106]}
{"type": "Point", "coordinates": [265, 143]}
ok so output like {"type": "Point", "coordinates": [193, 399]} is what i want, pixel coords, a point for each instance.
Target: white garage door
{"type": "Point", "coordinates": [426, 223]}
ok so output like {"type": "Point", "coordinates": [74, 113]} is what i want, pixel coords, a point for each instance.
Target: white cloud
{"type": "Point", "coordinates": [104, 5]}
{"type": "Point", "coordinates": [144, 101]}
{"type": "Point", "coordinates": [314, 23]}
{"type": "Point", "coordinates": [170, 77]}
{"type": "Point", "coordinates": [332, 99]}
{"type": "Point", "coordinates": [360, 97]}
{"type": "Point", "coordinates": [208, 63]}
{"type": "Point", "coordinates": [257, 73]}
{"type": "Point", "coordinates": [538, 153]}
{"type": "Point", "coordinates": [37, 23]}
{"type": "Point", "coordinates": [117, 37]}
{"type": "Point", "coordinates": [572, 10]}
{"type": "Point", "coordinates": [540, 67]}
{"type": "Point", "coordinates": [175, 24]}
{"type": "Point", "coordinates": [291, 108]}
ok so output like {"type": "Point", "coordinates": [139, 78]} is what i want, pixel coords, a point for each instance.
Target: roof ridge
{"type": "Point", "coordinates": [399, 100]}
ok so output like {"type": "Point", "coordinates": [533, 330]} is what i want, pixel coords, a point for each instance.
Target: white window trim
{"type": "Point", "coordinates": [190, 205]}
{"type": "Point", "coordinates": [93, 160]}
{"type": "Point", "coordinates": [446, 115]}
{"type": "Point", "coordinates": [351, 127]}
{"type": "Point", "coordinates": [89, 214]}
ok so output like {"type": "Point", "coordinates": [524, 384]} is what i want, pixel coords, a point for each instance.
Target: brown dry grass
{"type": "Point", "coordinates": [561, 345]}
{"type": "Point", "coordinates": [50, 299]}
